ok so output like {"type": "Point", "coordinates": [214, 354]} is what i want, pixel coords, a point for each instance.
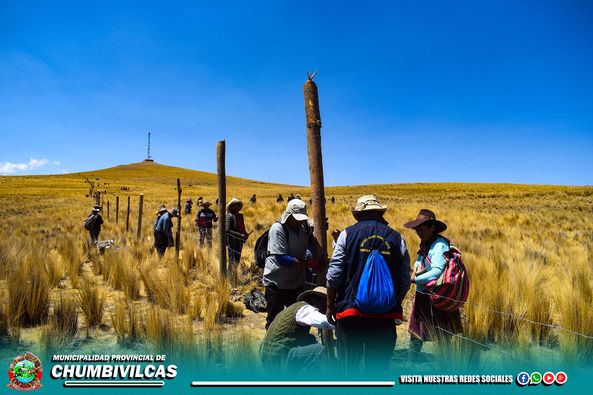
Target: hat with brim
{"type": "Point", "coordinates": [234, 202]}
{"type": "Point", "coordinates": [96, 210]}
{"type": "Point", "coordinates": [206, 203]}
{"type": "Point", "coordinates": [424, 216]}
{"type": "Point", "coordinates": [161, 209]}
{"type": "Point", "coordinates": [297, 208]}
{"type": "Point", "coordinates": [317, 291]}
{"type": "Point", "coordinates": [368, 203]}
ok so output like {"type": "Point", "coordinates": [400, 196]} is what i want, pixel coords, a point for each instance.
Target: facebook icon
{"type": "Point", "coordinates": [522, 379]}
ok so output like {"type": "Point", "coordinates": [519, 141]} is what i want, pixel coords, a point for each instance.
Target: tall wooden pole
{"type": "Point", "coordinates": [116, 209]}
{"type": "Point", "coordinates": [313, 118]}
{"type": "Point", "coordinates": [220, 160]}
{"type": "Point", "coordinates": [139, 230]}
{"type": "Point", "coordinates": [128, 216]}
{"type": "Point", "coordinates": [178, 233]}
{"type": "Point", "coordinates": [108, 210]}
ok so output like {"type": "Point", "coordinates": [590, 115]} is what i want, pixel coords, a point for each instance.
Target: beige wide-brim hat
{"type": "Point", "coordinates": [162, 209]}
{"type": "Point", "coordinates": [206, 203]}
{"type": "Point", "coordinates": [234, 202]}
{"type": "Point", "coordinates": [368, 203]}
{"type": "Point", "coordinates": [297, 208]}
{"type": "Point", "coordinates": [317, 291]}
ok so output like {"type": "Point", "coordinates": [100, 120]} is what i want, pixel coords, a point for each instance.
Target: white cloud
{"type": "Point", "coordinates": [7, 168]}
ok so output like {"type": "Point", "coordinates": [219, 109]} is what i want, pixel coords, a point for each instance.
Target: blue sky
{"type": "Point", "coordinates": [410, 91]}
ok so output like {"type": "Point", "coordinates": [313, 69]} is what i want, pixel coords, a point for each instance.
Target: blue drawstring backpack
{"type": "Point", "coordinates": [376, 294]}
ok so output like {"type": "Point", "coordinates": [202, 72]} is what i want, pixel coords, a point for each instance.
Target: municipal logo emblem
{"type": "Point", "coordinates": [25, 373]}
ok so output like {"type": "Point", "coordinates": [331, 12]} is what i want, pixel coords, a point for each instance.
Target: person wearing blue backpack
{"type": "Point", "coordinates": [367, 279]}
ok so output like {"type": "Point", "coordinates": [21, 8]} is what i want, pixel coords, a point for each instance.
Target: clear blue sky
{"type": "Point", "coordinates": [410, 91]}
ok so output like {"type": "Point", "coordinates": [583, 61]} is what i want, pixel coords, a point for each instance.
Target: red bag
{"type": "Point", "coordinates": [449, 292]}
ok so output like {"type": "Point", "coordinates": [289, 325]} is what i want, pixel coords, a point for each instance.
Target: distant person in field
{"type": "Point", "coordinates": [368, 278]}
{"type": "Point", "coordinates": [188, 206]}
{"type": "Point", "coordinates": [93, 223]}
{"type": "Point", "coordinates": [204, 219]}
{"type": "Point", "coordinates": [253, 199]}
{"type": "Point", "coordinates": [333, 199]}
{"type": "Point", "coordinates": [236, 235]}
{"type": "Point", "coordinates": [163, 230]}
{"type": "Point", "coordinates": [429, 265]}
{"type": "Point", "coordinates": [288, 345]}
{"type": "Point", "coordinates": [284, 271]}
{"type": "Point", "coordinates": [279, 199]}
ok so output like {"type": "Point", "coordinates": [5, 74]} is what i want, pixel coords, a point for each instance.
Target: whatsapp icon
{"type": "Point", "coordinates": [536, 378]}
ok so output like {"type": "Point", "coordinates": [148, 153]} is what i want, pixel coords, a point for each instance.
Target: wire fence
{"type": "Point", "coordinates": [518, 317]}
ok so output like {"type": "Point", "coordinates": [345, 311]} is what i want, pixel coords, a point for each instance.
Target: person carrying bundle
{"type": "Point", "coordinates": [93, 223]}
{"type": "Point", "coordinates": [163, 230]}
{"type": "Point", "coordinates": [432, 316]}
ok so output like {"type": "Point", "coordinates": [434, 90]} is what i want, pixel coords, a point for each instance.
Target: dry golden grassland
{"type": "Point", "coordinates": [528, 250]}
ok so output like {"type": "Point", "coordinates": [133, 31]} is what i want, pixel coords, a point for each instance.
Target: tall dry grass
{"type": "Point", "coordinates": [528, 249]}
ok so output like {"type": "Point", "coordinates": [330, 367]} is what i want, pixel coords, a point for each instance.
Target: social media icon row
{"type": "Point", "coordinates": [536, 378]}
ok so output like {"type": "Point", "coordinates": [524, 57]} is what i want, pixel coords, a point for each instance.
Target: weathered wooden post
{"type": "Point", "coordinates": [128, 216]}
{"type": "Point", "coordinates": [116, 209]}
{"type": "Point", "coordinates": [313, 119]}
{"type": "Point", "coordinates": [220, 160]}
{"type": "Point", "coordinates": [139, 230]}
{"type": "Point", "coordinates": [108, 210]}
{"type": "Point", "coordinates": [178, 233]}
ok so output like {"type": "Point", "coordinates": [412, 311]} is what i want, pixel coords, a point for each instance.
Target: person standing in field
{"type": "Point", "coordinates": [235, 232]}
{"type": "Point", "coordinates": [367, 279]}
{"type": "Point", "coordinates": [204, 219]}
{"type": "Point", "coordinates": [163, 230]}
{"type": "Point", "coordinates": [284, 271]}
{"type": "Point", "coordinates": [428, 323]}
{"type": "Point", "coordinates": [93, 223]}
{"type": "Point", "coordinates": [188, 206]}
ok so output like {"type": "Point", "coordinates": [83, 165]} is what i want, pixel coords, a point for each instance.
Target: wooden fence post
{"type": "Point", "coordinates": [178, 233]}
{"type": "Point", "coordinates": [128, 216]}
{"type": "Point", "coordinates": [220, 160]}
{"type": "Point", "coordinates": [139, 230]}
{"type": "Point", "coordinates": [116, 209]}
{"type": "Point", "coordinates": [313, 119]}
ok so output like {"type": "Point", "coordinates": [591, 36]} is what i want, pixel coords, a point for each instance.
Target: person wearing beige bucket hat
{"type": "Point", "coordinates": [285, 266]}
{"type": "Point", "coordinates": [360, 329]}
{"type": "Point", "coordinates": [288, 345]}
{"type": "Point", "coordinates": [429, 265]}
{"type": "Point", "coordinates": [236, 235]}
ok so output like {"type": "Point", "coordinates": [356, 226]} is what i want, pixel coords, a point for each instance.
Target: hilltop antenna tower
{"type": "Point", "coordinates": [148, 157]}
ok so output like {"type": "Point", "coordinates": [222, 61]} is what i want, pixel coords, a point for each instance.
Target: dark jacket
{"type": "Point", "coordinates": [164, 226]}
{"type": "Point", "coordinates": [362, 238]}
